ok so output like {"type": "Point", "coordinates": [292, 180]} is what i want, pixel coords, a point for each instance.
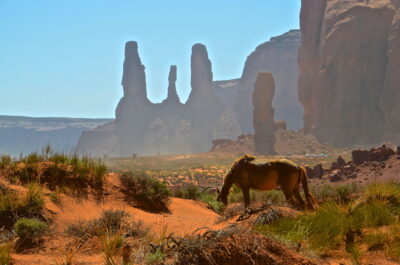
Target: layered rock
{"type": "Point", "coordinates": [263, 117]}
{"type": "Point", "coordinates": [279, 57]}
{"type": "Point", "coordinates": [347, 65]}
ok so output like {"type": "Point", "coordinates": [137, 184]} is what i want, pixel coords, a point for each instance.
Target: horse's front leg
{"type": "Point", "coordinates": [246, 195]}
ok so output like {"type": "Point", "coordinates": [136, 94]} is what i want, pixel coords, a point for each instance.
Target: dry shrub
{"type": "Point", "coordinates": [235, 246]}
{"type": "Point", "coordinates": [110, 222]}
{"type": "Point", "coordinates": [147, 192]}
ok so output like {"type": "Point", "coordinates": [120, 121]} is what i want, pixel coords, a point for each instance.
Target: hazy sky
{"type": "Point", "coordinates": [64, 58]}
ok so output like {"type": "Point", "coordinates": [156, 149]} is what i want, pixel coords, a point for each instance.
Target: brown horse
{"type": "Point", "coordinates": [268, 176]}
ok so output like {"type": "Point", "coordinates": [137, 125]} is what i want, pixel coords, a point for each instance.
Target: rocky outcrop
{"type": "Point", "coordinates": [279, 57]}
{"type": "Point", "coordinates": [347, 62]}
{"type": "Point", "coordinates": [263, 117]}
{"type": "Point", "coordinates": [145, 128]}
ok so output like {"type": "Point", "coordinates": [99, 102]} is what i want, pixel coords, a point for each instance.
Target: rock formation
{"type": "Point", "coordinates": [145, 128]}
{"type": "Point", "coordinates": [263, 117]}
{"type": "Point", "coordinates": [203, 107]}
{"type": "Point", "coordinates": [349, 62]}
{"type": "Point", "coordinates": [279, 57]}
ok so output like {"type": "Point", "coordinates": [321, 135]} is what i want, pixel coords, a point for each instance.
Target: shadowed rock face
{"type": "Point", "coordinates": [144, 128]}
{"type": "Point", "coordinates": [263, 118]}
{"type": "Point", "coordinates": [347, 63]}
{"type": "Point", "coordinates": [279, 57]}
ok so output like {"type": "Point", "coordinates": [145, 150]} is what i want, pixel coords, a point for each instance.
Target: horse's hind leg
{"type": "Point", "coordinates": [289, 197]}
{"type": "Point", "coordinates": [297, 195]}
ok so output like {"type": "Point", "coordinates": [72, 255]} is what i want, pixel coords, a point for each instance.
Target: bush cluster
{"type": "Point", "coordinates": [147, 192]}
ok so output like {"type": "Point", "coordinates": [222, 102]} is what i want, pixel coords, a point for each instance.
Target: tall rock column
{"type": "Point", "coordinates": [263, 117]}
{"type": "Point", "coordinates": [203, 107]}
{"type": "Point", "coordinates": [172, 94]}
{"type": "Point", "coordinates": [134, 112]}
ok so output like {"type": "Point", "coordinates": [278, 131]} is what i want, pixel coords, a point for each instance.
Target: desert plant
{"type": "Point", "coordinates": [155, 257]}
{"type": "Point", "coordinates": [111, 246]}
{"type": "Point", "coordinates": [6, 253]}
{"type": "Point", "coordinates": [30, 230]}
{"type": "Point", "coordinates": [147, 192]}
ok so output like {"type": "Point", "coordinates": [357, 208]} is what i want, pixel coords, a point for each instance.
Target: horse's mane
{"type": "Point", "coordinates": [238, 162]}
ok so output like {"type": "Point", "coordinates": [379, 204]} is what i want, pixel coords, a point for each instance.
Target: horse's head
{"type": "Point", "coordinates": [228, 182]}
{"type": "Point", "coordinates": [231, 176]}
{"type": "Point", "coordinates": [221, 198]}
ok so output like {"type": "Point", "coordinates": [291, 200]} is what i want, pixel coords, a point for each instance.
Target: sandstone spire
{"type": "Point", "coordinates": [201, 74]}
{"type": "Point", "coordinates": [134, 77]}
{"type": "Point", "coordinates": [263, 118]}
{"type": "Point", "coordinates": [172, 94]}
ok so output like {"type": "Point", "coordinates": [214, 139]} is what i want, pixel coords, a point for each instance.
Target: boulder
{"type": "Point", "coordinates": [359, 156]}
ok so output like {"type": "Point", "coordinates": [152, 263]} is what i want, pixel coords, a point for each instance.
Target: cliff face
{"type": "Point", "coordinates": [279, 57]}
{"type": "Point", "coordinates": [346, 61]}
{"type": "Point", "coordinates": [144, 128]}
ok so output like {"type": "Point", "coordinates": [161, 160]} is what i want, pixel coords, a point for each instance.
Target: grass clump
{"type": "Point", "coordinates": [6, 253]}
{"type": "Point", "coordinates": [5, 161]}
{"type": "Point", "coordinates": [14, 205]}
{"type": "Point", "coordinates": [57, 170]}
{"type": "Point", "coordinates": [112, 244]}
{"type": "Point", "coordinates": [30, 230]}
{"type": "Point", "coordinates": [335, 226]}
{"type": "Point", "coordinates": [147, 192]}
{"type": "Point", "coordinates": [341, 194]}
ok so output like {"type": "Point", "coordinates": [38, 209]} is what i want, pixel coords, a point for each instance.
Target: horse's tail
{"type": "Point", "coordinates": [309, 197]}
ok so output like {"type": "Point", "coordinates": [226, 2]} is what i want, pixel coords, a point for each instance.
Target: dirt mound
{"type": "Point", "coordinates": [184, 217]}
{"type": "Point", "coordinates": [238, 247]}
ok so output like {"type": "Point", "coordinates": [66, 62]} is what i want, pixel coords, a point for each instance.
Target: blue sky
{"type": "Point", "coordinates": [64, 58]}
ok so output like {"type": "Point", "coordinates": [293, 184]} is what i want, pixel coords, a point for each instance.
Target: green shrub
{"type": "Point", "coordinates": [373, 213]}
{"type": "Point", "coordinates": [384, 191]}
{"type": "Point", "coordinates": [212, 203]}
{"type": "Point", "coordinates": [147, 192]}
{"type": "Point", "coordinates": [191, 192]}
{"type": "Point", "coordinates": [30, 229]}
